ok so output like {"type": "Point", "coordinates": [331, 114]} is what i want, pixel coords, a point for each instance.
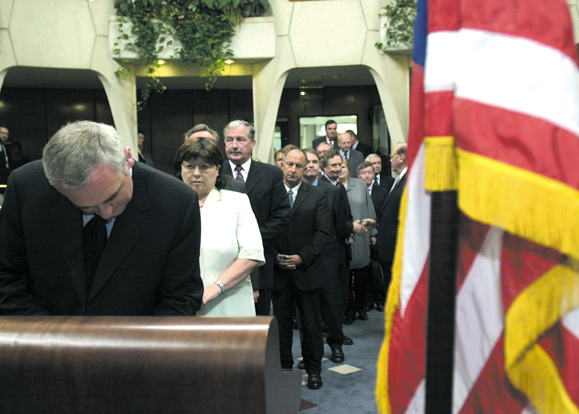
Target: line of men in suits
{"type": "Point", "coordinates": [334, 295]}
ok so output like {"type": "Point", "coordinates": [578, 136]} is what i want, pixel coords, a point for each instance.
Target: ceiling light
{"type": "Point", "coordinates": [229, 61]}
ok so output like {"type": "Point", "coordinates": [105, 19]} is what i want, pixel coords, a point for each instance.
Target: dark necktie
{"type": "Point", "coordinates": [239, 176]}
{"type": "Point", "coordinates": [376, 181]}
{"type": "Point", "coordinates": [346, 154]}
{"type": "Point", "coordinates": [95, 240]}
{"type": "Point", "coordinates": [3, 156]}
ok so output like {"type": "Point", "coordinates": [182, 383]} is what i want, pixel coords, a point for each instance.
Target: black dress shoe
{"type": "Point", "coordinates": [314, 381]}
{"type": "Point", "coordinates": [301, 365]}
{"type": "Point", "coordinates": [337, 354]}
{"type": "Point", "coordinates": [347, 341]}
{"type": "Point", "coordinates": [348, 319]}
{"type": "Point", "coordinates": [380, 308]}
{"type": "Point", "coordinates": [362, 315]}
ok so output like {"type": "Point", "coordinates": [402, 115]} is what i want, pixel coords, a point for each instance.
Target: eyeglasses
{"type": "Point", "coordinates": [393, 155]}
{"type": "Point", "coordinates": [202, 167]}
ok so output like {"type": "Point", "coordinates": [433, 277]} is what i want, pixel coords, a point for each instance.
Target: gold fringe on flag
{"type": "Point", "coordinates": [535, 310]}
{"type": "Point", "coordinates": [392, 304]}
{"type": "Point", "coordinates": [538, 377]}
{"type": "Point", "coordinates": [440, 169]}
{"type": "Point", "coordinates": [524, 203]}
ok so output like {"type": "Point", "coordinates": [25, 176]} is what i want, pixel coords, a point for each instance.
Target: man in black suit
{"type": "Point", "coordinates": [353, 157]}
{"type": "Point", "coordinates": [388, 218]}
{"type": "Point", "coordinates": [334, 254]}
{"type": "Point", "coordinates": [89, 231]}
{"type": "Point", "coordinates": [268, 200]}
{"type": "Point", "coordinates": [299, 269]}
{"type": "Point", "coordinates": [376, 288]}
{"type": "Point", "coordinates": [144, 157]}
{"type": "Point", "coordinates": [331, 137]}
{"type": "Point", "coordinates": [381, 178]}
{"type": "Point", "coordinates": [5, 166]}
{"type": "Point", "coordinates": [357, 145]}
{"type": "Point", "coordinates": [331, 164]}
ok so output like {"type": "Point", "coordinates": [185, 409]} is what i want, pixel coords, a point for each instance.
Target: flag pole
{"type": "Point", "coordinates": [444, 224]}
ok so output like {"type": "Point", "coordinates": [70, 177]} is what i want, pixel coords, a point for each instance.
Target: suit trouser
{"type": "Point", "coordinates": [332, 313]}
{"type": "Point", "coordinates": [345, 285]}
{"type": "Point", "coordinates": [263, 304]}
{"type": "Point", "coordinates": [308, 303]}
{"type": "Point", "coordinates": [361, 279]}
{"type": "Point", "coordinates": [377, 288]}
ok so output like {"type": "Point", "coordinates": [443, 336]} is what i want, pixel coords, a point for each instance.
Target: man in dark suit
{"type": "Point", "coordinates": [144, 157]}
{"type": "Point", "coordinates": [268, 200]}
{"type": "Point", "coordinates": [376, 288]}
{"type": "Point", "coordinates": [388, 218]}
{"type": "Point", "coordinates": [299, 269]}
{"type": "Point", "coordinates": [331, 164]}
{"type": "Point", "coordinates": [353, 157]}
{"type": "Point", "coordinates": [381, 178]}
{"type": "Point", "coordinates": [331, 128]}
{"type": "Point", "coordinates": [89, 231]}
{"type": "Point", "coordinates": [359, 146]}
{"type": "Point", "coordinates": [335, 252]}
{"type": "Point", "coordinates": [5, 166]}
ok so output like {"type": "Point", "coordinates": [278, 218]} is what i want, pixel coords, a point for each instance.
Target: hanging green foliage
{"type": "Point", "coordinates": [400, 27]}
{"type": "Point", "coordinates": [204, 29]}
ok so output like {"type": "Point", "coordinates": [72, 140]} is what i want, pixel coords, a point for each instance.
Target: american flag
{"type": "Point", "coordinates": [494, 116]}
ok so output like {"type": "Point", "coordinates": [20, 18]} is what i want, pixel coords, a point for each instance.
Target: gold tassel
{"type": "Point", "coordinates": [524, 203]}
{"type": "Point", "coordinates": [440, 166]}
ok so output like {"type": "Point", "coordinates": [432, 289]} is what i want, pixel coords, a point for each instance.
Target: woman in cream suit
{"type": "Point", "coordinates": [230, 239]}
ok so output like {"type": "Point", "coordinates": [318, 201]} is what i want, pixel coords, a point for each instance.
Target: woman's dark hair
{"type": "Point", "coordinates": [205, 149]}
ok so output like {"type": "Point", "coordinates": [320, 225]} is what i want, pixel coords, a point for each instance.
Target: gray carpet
{"type": "Point", "coordinates": [353, 392]}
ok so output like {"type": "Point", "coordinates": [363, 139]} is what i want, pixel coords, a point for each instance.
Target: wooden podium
{"type": "Point", "coordinates": [62, 364]}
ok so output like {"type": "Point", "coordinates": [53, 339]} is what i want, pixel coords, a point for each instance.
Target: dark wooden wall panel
{"type": "Point", "coordinates": [103, 109]}
{"type": "Point", "coordinates": [24, 113]}
{"type": "Point", "coordinates": [34, 115]}
{"type": "Point", "coordinates": [171, 116]}
{"type": "Point", "coordinates": [211, 108]}
{"type": "Point", "coordinates": [68, 105]}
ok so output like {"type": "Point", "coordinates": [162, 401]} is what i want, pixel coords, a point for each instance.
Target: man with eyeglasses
{"type": "Point", "coordinates": [381, 178]}
{"type": "Point", "coordinates": [388, 216]}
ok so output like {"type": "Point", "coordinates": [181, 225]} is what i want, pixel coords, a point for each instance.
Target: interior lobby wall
{"type": "Point", "coordinates": [34, 115]}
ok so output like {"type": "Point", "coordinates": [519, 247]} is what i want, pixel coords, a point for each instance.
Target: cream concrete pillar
{"type": "Point", "coordinates": [268, 82]}
{"type": "Point", "coordinates": [68, 34]}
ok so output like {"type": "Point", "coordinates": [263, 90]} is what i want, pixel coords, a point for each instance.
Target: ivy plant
{"type": "Point", "coordinates": [204, 29]}
{"type": "Point", "coordinates": [400, 26]}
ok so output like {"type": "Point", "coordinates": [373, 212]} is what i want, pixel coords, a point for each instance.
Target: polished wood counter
{"type": "Point", "coordinates": [61, 364]}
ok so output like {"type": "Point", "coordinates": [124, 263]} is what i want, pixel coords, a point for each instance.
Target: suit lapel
{"type": "Point", "coordinates": [253, 176]}
{"type": "Point", "coordinates": [70, 238]}
{"type": "Point", "coordinates": [129, 227]}
{"type": "Point", "coordinates": [227, 168]}
{"type": "Point", "coordinates": [395, 190]}
{"type": "Point", "coordinates": [302, 195]}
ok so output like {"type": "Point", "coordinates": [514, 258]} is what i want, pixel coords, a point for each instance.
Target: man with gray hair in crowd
{"type": "Point", "coordinates": [89, 231]}
{"type": "Point", "coordinates": [268, 198]}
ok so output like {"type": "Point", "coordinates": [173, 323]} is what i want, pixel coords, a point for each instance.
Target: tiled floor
{"type": "Point", "coordinates": [348, 387]}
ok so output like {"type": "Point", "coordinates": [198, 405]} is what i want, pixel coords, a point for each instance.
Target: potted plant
{"type": "Point", "coordinates": [195, 32]}
{"type": "Point", "coordinates": [397, 26]}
